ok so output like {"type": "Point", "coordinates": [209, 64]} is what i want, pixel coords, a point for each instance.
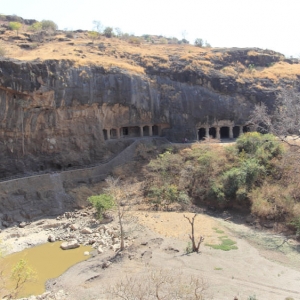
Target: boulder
{"type": "Point", "coordinates": [69, 245]}
{"type": "Point", "coordinates": [86, 253]}
{"type": "Point", "coordinates": [51, 238]}
{"type": "Point", "coordinates": [74, 226]}
{"type": "Point", "coordinates": [100, 250]}
{"type": "Point", "coordinates": [86, 230]}
{"type": "Point", "coordinates": [22, 224]}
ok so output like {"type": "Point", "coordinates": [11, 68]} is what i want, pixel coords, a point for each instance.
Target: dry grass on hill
{"type": "Point", "coordinates": [115, 52]}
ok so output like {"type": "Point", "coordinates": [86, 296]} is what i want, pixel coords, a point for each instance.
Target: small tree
{"type": "Point", "coordinates": [195, 247]}
{"type": "Point", "coordinates": [21, 274]}
{"type": "Point", "coordinates": [15, 26]}
{"type": "Point", "coordinates": [49, 25]}
{"type": "Point", "coordinates": [284, 120]}
{"type": "Point", "coordinates": [2, 51]}
{"type": "Point", "coordinates": [199, 42]}
{"type": "Point", "coordinates": [93, 35]}
{"type": "Point", "coordinates": [98, 26]}
{"type": "Point", "coordinates": [36, 26]}
{"type": "Point", "coordinates": [159, 284]}
{"type": "Point", "coordinates": [119, 32]}
{"type": "Point", "coordinates": [108, 32]}
{"type": "Point", "coordinates": [102, 203]}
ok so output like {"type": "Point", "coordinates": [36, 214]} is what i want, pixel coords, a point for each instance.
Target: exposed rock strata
{"type": "Point", "coordinates": [52, 114]}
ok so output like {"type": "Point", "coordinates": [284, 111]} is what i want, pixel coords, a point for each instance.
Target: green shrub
{"type": "Point", "coordinates": [262, 146]}
{"type": "Point", "coordinates": [36, 26]}
{"type": "Point", "coordinates": [2, 51]}
{"type": "Point", "coordinates": [295, 222]}
{"type": "Point", "coordinates": [49, 25]}
{"type": "Point", "coordinates": [15, 26]}
{"type": "Point", "coordinates": [102, 203]}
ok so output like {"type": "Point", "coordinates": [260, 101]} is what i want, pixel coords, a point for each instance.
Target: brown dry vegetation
{"type": "Point", "coordinates": [137, 57]}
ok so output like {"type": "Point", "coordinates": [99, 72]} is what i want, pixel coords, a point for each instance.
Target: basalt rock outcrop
{"type": "Point", "coordinates": [55, 114]}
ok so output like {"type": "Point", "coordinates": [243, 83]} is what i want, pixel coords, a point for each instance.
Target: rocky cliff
{"type": "Point", "coordinates": [56, 114]}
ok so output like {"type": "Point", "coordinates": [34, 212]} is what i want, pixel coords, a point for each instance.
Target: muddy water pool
{"type": "Point", "coordinates": [48, 260]}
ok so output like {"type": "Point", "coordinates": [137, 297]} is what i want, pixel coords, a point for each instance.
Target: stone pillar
{"type": "Point", "coordinates": [207, 132]}
{"type": "Point", "coordinates": [150, 130]}
{"type": "Point", "coordinates": [218, 136]}
{"type": "Point", "coordinates": [108, 134]}
{"type": "Point", "coordinates": [159, 130]}
{"type": "Point", "coordinates": [141, 131]}
{"type": "Point", "coordinates": [230, 132]}
{"type": "Point", "coordinates": [241, 130]}
{"type": "Point", "coordinates": [118, 133]}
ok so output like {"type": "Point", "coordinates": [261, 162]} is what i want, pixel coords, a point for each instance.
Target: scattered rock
{"type": "Point", "coordinates": [74, 227]}
{"type": "Point", "coordinates": [51, 238]}
{"type": "Point", "coordinates": [269, 225]}
{"type": "Point", "coordinates": [86, 230]}
{"type": "Point", "coordinates": [106, 264]}
{"type": "Point", "coordinates": [100, 250]}
{"type": "Point", "coordinates": [70, 245]}
{"type": "Point", "coordinates": [86, 253]}
{"type": "Point", "coordinates": [22, 224]}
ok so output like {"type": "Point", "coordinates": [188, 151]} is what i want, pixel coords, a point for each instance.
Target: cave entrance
{"type": "Point", "coordinates": [105, 134]}
{"type": "Point", "coordinates": [155, 130]}
{"type": "Point", "coordinates": [236, 131]}
{"type": "Point", "coordinates": [113, 133]}
{"type": "Point", "coordinates": [146, 131]}
{"type": "Point", "coordinates": [201, 134]}
{"type": "Point", "coordinates": [212, 132]}
{"type": "Point", "coordinates": [125, 131]}
{"type": "Point", "coordinates": [134, 131]}
{"type": "Point", "coordinates": [58, 167]}
{"type": "Point", "coordinates": [224, 132]}
{"type": "Point", "coordinates": [246, 129]}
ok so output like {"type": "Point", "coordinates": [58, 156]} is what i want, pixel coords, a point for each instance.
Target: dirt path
{"type": "Point", "coordinates": [160, 242]}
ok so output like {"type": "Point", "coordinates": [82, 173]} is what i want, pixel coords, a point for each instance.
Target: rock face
{"type": "Point", "coordinates": [55, 115]}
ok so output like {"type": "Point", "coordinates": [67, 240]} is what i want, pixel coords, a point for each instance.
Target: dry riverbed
{"type": "Point", "coordinates": [264, 264]}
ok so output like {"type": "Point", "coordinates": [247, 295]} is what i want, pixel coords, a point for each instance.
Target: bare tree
{"type": "Point", "coordinates": [195, 247]}
{"type": "Point", "coordinates": [98, 26]}
{"type": "Point", "coordinates": [121, 195]}
{"type": "Point", "coordinates": [284, 121]}
{"type": "Point", "coordinates": [159, 284]}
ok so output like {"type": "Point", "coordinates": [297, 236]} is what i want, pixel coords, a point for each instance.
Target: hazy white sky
{"type": "Point", "coordinates": [267, 24]}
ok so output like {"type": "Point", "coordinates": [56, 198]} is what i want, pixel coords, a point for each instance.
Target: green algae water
{"type": "Point", "coordinates": [48, 260]}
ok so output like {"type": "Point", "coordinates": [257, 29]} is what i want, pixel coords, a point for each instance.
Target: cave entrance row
{"type": "Point", "coordinates": [132, 131]}
{"type": "Point", "coordinates": [224, 132]}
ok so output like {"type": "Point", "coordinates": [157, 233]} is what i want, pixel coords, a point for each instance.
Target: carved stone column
{"type": "Point", "coordinates": [150, 130]}
{"type": "Point", "coordinates": [207, 132]}
{"type": "Point", "coordinates": [141, 131]}
{"type": "Point", "coordinates": [231, 132]}
{"type": "Point", "coordinates": [241, 130]}
{"type": "Point", "coordinates": [108, 134]}
{"type": "Point", "coordinates": [218, 136]}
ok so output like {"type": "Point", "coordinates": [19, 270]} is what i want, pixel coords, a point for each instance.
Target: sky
{"type": "Point", "coordinates": [266, 24]}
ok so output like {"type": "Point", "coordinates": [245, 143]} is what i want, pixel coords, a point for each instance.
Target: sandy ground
{"type": "Point", "coordinates": [160, 239]}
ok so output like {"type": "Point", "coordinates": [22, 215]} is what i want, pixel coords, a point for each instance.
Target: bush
{"type": "Point", "coordinates": [2, 51]}
{"type": "Point", "coordinates": [102, 203]}
{"type": "Point", "coordinates": [15, 26]}
{"type": "Point", "coordinates": [49, 25]}
{"type": "Point", "coordinates": [108, 32]}
{"type": "Point", "coordinates": [264, 146]}
{"type": "Point", "coordinates": [37, 26]}
{"type": "Point", "coordinates": [134, 40]}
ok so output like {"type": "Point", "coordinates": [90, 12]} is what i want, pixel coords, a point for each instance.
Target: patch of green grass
{"type": "Point", "coordinates": [218, 269]}
{"type": "Point", "coordinates": [218, 230]}
{"type": "Point", "coordinates": [226, 245]}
